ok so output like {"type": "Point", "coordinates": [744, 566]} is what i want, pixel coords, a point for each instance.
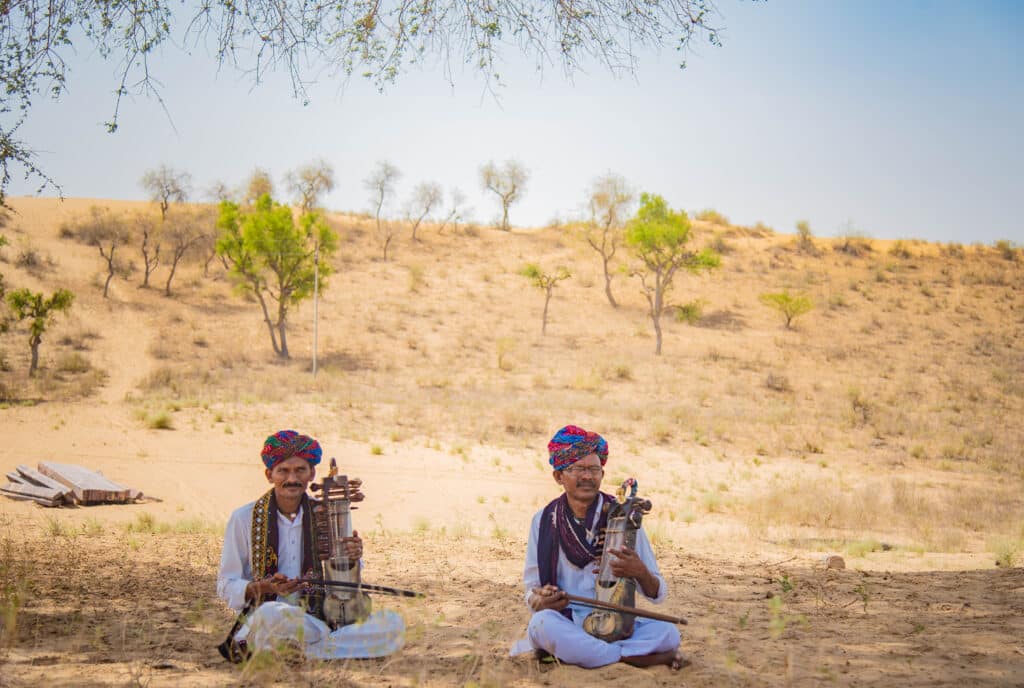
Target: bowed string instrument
{"type": "Point", "coordinates": [615, 609]}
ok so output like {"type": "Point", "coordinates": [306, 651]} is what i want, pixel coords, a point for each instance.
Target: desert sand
{"type": "Point", "coordinates": [886, 427]}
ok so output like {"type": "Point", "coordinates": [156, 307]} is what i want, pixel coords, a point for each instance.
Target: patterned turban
{"type": "Point", "coordinates": [572, 443]}
{"type": "Point", "coordinates": [287, 443]}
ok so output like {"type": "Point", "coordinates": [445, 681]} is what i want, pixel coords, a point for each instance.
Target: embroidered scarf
{"type": "Point", "coordinates": [264, 538]}
{"type": "Point", "coordinates": [560, 532]}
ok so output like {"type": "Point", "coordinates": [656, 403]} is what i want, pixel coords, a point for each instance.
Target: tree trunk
{"type": "Point", "coordinates": [608, 284]}
{"type": "Point", "coordinates": [110, 276]}
{"type": "Point", "coordinates": [656, 319]}
{"type": "Point", "coordinates": [167, 287]}
{"type": "Point", "coordinates": [34, 364]}
{"type": "Point", "coordinates": [282, 325]}
{"type": "Point", "coordinates": [544, 322]}
{"type": "Point", "coordinates": [387, 242]}
{"type": "Point", "coordinates": [266, 319]}
{"type": "Point", "coordinates": [656, 308]}
{"type": "Point", "coordinates": [504, 215]}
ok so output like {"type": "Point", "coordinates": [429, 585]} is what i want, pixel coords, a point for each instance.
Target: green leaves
{"type": "Point", "coordinates": [34, 306]}
{"type": "Point", "coordinates": [789, 305]}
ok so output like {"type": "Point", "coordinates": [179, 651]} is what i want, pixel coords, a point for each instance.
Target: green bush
{"type": "Point", "coordinates": [690, 313]}
{"type": "Point", "coordinates": [791, 306]}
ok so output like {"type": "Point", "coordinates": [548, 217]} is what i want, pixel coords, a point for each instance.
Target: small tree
{"type": "Point", "coordinates": [658, 235]}
{"type": "Point", "coordinates": [308, 183]}
{"type": "Point", "coordinates": [381, 185]}
{"type": "Point", "coordinates": [185, 232]}
{"type": "Point", "coordinates": [166, 185]}
{"type": "Point", "coordinates": [273, 259]}
{"type": "Point", "coordinates": [258, 185]}
{"type": "Point", "coordinates": [508, 182]}
{"type": "Point", "coordinates": [40, 312]}
{"type": "Point", "coordinates": [425, 198]}
{"type": "Point", "coordinates": [610, 198]}
{"type": "Point", "coordinates": [789, 305]}
{"type": "Point", "coordinates": [107, 233]}
{"type": "Point", "coordinates": [146, 227]}
{"type": "Point", "coordinates": [805, 240]}
{"type": "Point", "coordinates": [547, 282]}
{"type": "Point", "coordinates": [455, 213]}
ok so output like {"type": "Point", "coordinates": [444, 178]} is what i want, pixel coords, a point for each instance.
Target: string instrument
{"type": "Point", "coordinates": [338, 595]}
{"type": "Point", "coordinates": [624, 519]}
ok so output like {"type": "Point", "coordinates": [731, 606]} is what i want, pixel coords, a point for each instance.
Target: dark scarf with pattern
{"type": "Point", "coordinates": [264, 539]}
{"type": "Point", "coordinates": [559, 531]}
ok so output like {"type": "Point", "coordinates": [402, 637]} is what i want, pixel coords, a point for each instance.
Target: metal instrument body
{"type": "Point", "coordinates": [332, 522]}
{"type": "Point", "coordinates": [624, 519]}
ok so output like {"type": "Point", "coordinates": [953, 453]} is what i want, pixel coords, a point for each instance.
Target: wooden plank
{"type": "Point", "coordinates": [88, 486]}
{"type": "Point", "coordinates": [38, 500]}
{"type": "Point", "coordinates": [34, 477]}
{"type": "Point", "coordinates": [42, 495]}
{"type": "Point", "coordinates": [17, 479]}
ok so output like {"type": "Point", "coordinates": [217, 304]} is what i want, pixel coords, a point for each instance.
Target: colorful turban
{"type": "Point", "coordinates": [288, 443]}
{"type": "Point", "coordinates": [572, 443]}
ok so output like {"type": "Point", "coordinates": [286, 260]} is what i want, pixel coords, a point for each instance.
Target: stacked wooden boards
{"type": "Point", "coordinates": [57, 484]}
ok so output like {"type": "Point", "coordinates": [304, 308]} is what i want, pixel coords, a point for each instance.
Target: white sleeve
{"type": "Point", "coordinates": [646, 554]}
{"type": "Point", "coordinates": [531, 572]}
{"type": "Point", "coordinates": [235, 568]}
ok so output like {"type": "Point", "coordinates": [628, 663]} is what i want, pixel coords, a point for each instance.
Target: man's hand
{"type": "Point", "coordinates": [353, 546]}
{"type": "Point", "coordinates": [627, 564]}
{"type": "Point", "coordinates": [278, 584]}
{"type": "Point", "coordinates": [548, 597]}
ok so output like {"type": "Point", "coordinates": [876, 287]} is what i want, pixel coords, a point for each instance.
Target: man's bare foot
{"type": "Point", "coordinates": [673, 659]}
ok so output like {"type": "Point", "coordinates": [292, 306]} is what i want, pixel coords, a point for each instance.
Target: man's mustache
{"type": "Point", "coordinates": [292, 485]}
{"type": "Point", "coordinates": [586, 483]}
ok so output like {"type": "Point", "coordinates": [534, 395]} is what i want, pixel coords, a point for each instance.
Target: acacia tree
{"type": "Point", "coordinates": [185, 232]}
{"type": "Point", "coordinates": [790, 306]}
{"type": "Point", "coordinates": [258, 185]}
{"type": "Point", "coordinates": [547, 282]}
{"type": "Point", "coordinates": [659, 235]}
{"type": "Point", "coordinates": [508, 182]}
{"type": "Point", "coordinates": [40, 40]}
{"type": "Point", "coordinates": [40, 312]}
{"type": "Point", "coordinates": [165, 186]}
{"type": "Point", "coordinates": [308, 183]}
{"type": "Point", "coordinates": [381, 184]}
{"type": "Point", "coordinates": [425, 197]}
{"type": "Point", "coordinates": [107, 233]}
{"type": "Point", "coordinates": [272, 258]}
{"type": "Point", "coordinates": [147, 228]}
{"type": "Point", "coordinates": [455, 212]}
{"type": "Point", "coordinates": [610, 198]}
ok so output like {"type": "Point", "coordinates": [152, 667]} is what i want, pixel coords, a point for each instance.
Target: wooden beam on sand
{"type": "Point", "coordinates": [40, 495]}
{"type": "Point", "coordinates": [88, 486]}
{"type": "Point", "coordinates": [34, 477]}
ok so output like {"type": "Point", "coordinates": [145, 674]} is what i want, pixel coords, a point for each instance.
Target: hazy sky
{"type": "Point", "coordinates": [889, 118]}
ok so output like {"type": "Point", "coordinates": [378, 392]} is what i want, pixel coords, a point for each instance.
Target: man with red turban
{"type": "Point", "coordinates": [561, 556]}
{"type": "Point", "coordinates": [269, 547]}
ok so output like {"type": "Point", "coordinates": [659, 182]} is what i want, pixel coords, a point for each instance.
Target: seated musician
{"type": "Point", "coordinates": [561, 558]}
{"type": "Point", "coordinates": [269, 546]}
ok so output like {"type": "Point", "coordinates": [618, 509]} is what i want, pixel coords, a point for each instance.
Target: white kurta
{"type": "Point", "coordinates": [273, 622]}
{"type": "Point", "coordinates": [550, 631]}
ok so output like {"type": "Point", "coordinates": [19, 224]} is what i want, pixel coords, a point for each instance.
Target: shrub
{"type": "Point", "coordinates": [159, 421]}
{"type": "Point", "coordinates": [690, 313]}
{"type": "Point", "coordinates": [852, 245]}
{"type": "Point", "coordinates": [778, 383]}
{"type": "Point", "coordinates": [791, 306]}
{"type": "Point", "coordinates": [900, 250]}
{"type": "Point", "coordinates": [712, 216]}
{"type": "Point", "coordinates": [1006, 249]}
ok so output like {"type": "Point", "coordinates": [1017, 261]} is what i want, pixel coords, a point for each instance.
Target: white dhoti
{"type": "Point", "coordinates": [273, 623]}
{"type": "Point", "coordinates": [566, 640]}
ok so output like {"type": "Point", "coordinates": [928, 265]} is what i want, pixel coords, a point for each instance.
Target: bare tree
{"type": "Point", "coordinates": [308, 183]}
{"type": "Point", "coordinates": [546, 282]}
{"type": "Point", "coordinates": [508, 182]}
{"type": "Point", "coordinates": [146, 226]}
{"type": "Point", "coordinates": [258, 184]}
{"type": "Point", "coordinates": [455, 212]}
{"type": "Point", "coordinates": [381, 184]}
{"type": "Point", "coordinates": [425, 198]}
{"type": "Point", "coordinates": [185, 232]}
{"type": "Point", "coordinates": [610, 198]}
{"type": "Point", "coordinates": [165, 186]}
{"type": "Point", "coordinates": [107, 233]}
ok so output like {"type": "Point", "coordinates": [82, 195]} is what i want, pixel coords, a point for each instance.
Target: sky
{"type": "Point", "coordinates": [887, 119]}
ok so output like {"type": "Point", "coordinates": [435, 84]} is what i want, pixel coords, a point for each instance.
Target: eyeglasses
{"type": "Point", "coordinates": [580, 471]}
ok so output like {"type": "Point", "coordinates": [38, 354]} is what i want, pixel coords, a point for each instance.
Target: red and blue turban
{"type": "Point", "coordinates": [287, 443]}
{"type": "Point", "coordinates": [572, 443]}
